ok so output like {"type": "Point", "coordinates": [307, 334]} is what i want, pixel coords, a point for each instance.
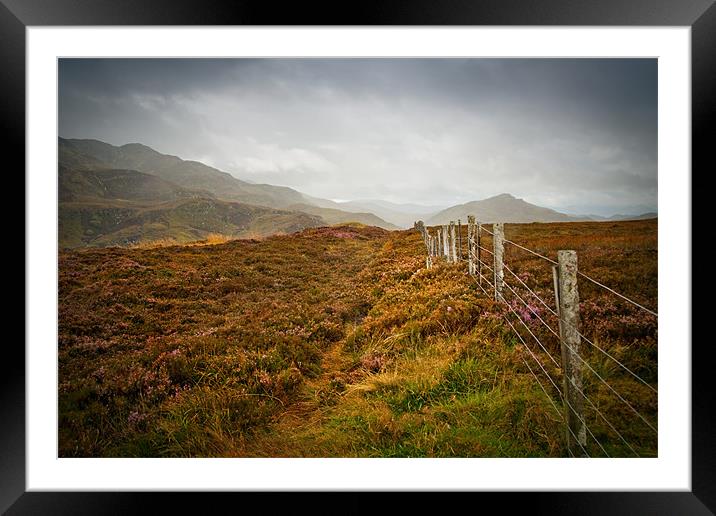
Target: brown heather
{"type": "Point", "coordinates": [337, 342]}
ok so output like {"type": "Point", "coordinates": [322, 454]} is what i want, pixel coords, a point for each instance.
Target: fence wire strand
{"type": "Point", "coordinates": [533, 335]}
{"type": "Point", "coordinates": [531, 251]}
{"type": "Point", "coordinates": [486, 250]}
{"type": "Point", "coordinates": [531, 291]}
{"type": "Point", "coordinates": [599, 412]}
{"type": "Point", "coordinates": [530, 309]}
{"type": "Point", "coordinates": [618, 294]}
{"type": "Point", "coordinates": [638, 414]}
{"type": "Point", "coordinates": [559, 413]}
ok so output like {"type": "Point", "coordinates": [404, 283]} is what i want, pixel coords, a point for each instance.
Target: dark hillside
{"type": "Point", "coordinates": [182, 221]}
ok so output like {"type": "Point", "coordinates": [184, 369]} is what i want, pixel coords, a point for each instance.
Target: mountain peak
{"type": "Point", "coordinates": [140, 147]}
{"type": "Point", "coordinates": [504, 196]}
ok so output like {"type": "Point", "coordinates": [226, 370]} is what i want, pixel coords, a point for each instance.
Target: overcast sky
{"type": "Point", "coordinates": [578, 135]}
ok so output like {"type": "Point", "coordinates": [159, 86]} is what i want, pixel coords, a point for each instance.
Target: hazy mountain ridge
{"type": "Point", "coordinates": [642, 216]}
{"type": "Point", "coordinates": [334, 216]}
{"type": "Point", "coordinates": [400, 207]}
{"type": "Point", "coordinates": [402, 215]}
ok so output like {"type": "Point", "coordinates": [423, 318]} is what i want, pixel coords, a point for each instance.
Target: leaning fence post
{"type": "Point", "coordinates": [453, 255]}
{"type": "Point", "coordinates": [567, 294]}
{"type": "Point", "coordinates": [420, 226]}
{"type": "Point", "coordinates": [498, 250]}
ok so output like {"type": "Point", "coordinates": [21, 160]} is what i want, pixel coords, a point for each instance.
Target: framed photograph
{"type": "Point", "coordinates": [413, 249]}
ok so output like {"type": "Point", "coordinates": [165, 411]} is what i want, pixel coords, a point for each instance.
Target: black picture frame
{"type": "Point", "coordinates": [16, 15]}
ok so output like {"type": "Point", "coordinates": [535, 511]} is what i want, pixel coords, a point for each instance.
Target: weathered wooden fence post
{"type": "Point", "coordinates": [446, 242]}
{"type": "Point", "coordinates": [498, 238]}
{"type": "Point", "coordinates": [471, 244]}
{"type": "Point", "coordinates": [453, 254]}
{"type": "Point", "coordinates": [567, 294]}
{"type": "Point", "coordinates": [420, 226]}
{"type": "Point", "coordinates": [437, 241]}
{"type": "Point", "coordinates": [459, 240]}
{"type": "Point", "coordinates": [479, 255]}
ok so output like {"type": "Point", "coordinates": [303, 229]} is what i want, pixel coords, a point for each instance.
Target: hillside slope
{"type": "Point", "coordinates": [333, 216]}
{"type": "Point", "coordinates": [188, 174]}
{"type": "Point", "coordinates": [77, 184]}
{"type": "Point", "coordinates": [117, 223]}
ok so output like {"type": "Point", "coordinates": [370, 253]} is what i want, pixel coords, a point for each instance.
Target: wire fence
{"type": "Point", "coordinates": [613, 401]}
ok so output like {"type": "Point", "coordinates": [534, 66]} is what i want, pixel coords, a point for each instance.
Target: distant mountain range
{"type": "Point", "coordinates": [132, 194]}
{"type": "Point", "coordinates": [507, 208]}
{"type": "Point", "coordinates": [643, 216]}
{"type": "Point", "coordinates": [503, 208]}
